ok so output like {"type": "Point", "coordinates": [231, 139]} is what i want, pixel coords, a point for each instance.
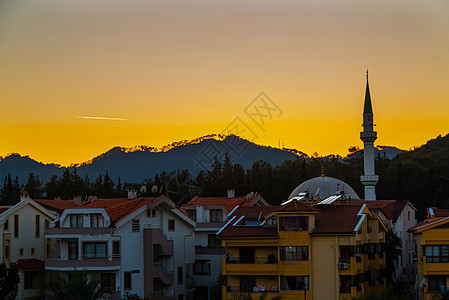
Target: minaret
{"type": "Point", "coordinates": [368, 136]}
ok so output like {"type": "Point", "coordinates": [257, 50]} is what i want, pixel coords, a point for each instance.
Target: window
{"type": "Point", "coordinates": [371, 251]}
{"type": "Point", "coordinates": [136, 225]}
{"type": "Point", "coordinates": [28, 282]}
{"type": "Point", "coordinates": [33, 251]}
{"type": "Point", "coordinates": [272, 222]}
{"type": "Point", "coordinates": [293, 224]}
{"type": "Point", "coordinates": [294, 283]}
{"type": "Point", "coordinates": [437, 283]}
{"type": "Point", "coordinates": [94, 250]}
{"type": "Point", "coordinates": [408, 213]}
{"type": "Point", "coordinates": [151, 213]}
{"type": "Point", "coordinates": [21, 251]}
{"type": "Point", "coordinates": [115, 248]}
{"type": "Point", "coordinates": [47, 224]}
{"type": "Point", "coordinates": [76, 221]}
{"type": "Point", "coordinates": [96, 221]}
{"type": "Point", "coordinates": [171, 225]}
{"type": "Point", "coordinates": [16, 226]}
{"type": "Point", "coordinates": [192, 214]}
{"type": "Point", "coordinates": [37, 227]}
{"type": "Point", "coordinates": [213, 241]}
{"type": "Point", "coordinates": [127, 278]}
{"type": "Point", "coordinates": [107, 281]}
{"type": "Point", "coordinates": [437, 254]}
{"type": "Point", "coordinates": [73, 250]}
{"type": "Point", "coordinates": [295, 253]}
{"type": "Point", "coordinates": [201, 267]}
{"type": "Point", "coordinates": [6, 226]}
{"type": "Point", "coordinates": [7, 249]}
{"type": "Point", "coordinates": [180, 275]}
{"type": "Point", "coordinates": [216, 215]}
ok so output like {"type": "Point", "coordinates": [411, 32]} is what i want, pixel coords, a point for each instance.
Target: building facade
{"type": "Point", "coordinates": [298, 251]}
{"type": "Point", "coordinates": [22, 236]}
{"type": "Point", "coordinates": [128, 243]}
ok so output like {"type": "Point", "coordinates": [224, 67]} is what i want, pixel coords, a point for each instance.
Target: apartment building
{"type": "Point", "coordinates": [22, 240]}
{"type": "Point", "coordinates": [300, 251]}
{"type": "Point", "coordinates": [210, 214]}
{"type": "Point", "coordinates": [130, 244]}
{"type": "Point", "coordinates": [432, 254]}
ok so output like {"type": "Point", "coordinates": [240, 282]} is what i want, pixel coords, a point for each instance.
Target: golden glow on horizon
{"type": "Point", "coordinates": [169, 71]}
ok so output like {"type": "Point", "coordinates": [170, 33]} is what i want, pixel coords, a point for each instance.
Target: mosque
{"type": "Point", "coordinates": [324, 187]}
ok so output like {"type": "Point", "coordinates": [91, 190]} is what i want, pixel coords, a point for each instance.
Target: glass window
{"type": "Point", "coordinates": [213, 241]}
{"type": "Point", "coordinates": [6, 226]}
{"type": "Point", "coordinates": [437, 254]}
{"type": "Point", "coordinates": [216, 215]}
{"type": "Point", "coordinates": [201, 267]}
{"type": "Point", "coordinates": [293, 224]}
{"type": "Point", "coordinates": [73, 250]}
{"type": "Point", "coordinates": [16, 226]}
{"type": "Point", "coordinates": [116, 249]}
{"type": "Point", "coordinates": [180, 275]}
{"type": "Point", "coordinates": [171, 225]}
{"type": "Point", "coordinates": [437, 283]}
{"type": "Point", "coordinates": [96, 221]}
{"type": "Point", "coordinates": [294, 253]}
{"type": "Point", "coordinates": [294, 283]}
{"type": "Point", "coordinates": [37, 226]}
{"type": "Point", "coordinates": [94, 250]}
{"type": "Point", "coordinates": [76, 221]}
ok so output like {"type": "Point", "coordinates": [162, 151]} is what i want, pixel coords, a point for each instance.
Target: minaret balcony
{"type": "Point", "coordinates": [369, 179]}
{"type": "Point", "coordinates": [368, 136]}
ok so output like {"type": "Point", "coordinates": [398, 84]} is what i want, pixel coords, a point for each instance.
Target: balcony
{"type": "Point", "coordinates": [154, 235]}
{"type": "Point", "coordinates": [58, 232]}
{"type": "Point", "coordinates": [350, 292]}
{"type": "Point", "coordinates": [350, 266]}
{"type": "Point", "coordinates": [260, 266]}
{"type": "Point", "coordinates": [159, 271]}
{"type": "Point", "coordinates": [437, 268]}
{"type": "Point", "coordinates": [63, 263]}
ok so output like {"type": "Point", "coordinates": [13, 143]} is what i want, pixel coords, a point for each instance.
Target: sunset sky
{"type": "Point", "coordinates": [156, 72]}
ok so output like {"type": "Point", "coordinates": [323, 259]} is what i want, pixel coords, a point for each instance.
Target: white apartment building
{"type": "Point", "coordinates": [23, 243]}
{"type": "Point", "coordinates": [130, 244]}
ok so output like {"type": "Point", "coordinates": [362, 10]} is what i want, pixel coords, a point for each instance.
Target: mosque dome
{"type": "Point", "coordinates": [323, 187]}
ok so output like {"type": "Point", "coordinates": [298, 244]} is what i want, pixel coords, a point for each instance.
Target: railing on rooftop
{"type": "Point", "coordinates": [252, 289]}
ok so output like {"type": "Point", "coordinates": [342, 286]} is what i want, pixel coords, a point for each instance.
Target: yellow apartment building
{"type": "Point", "coordinates": [300, 251]}
{"type": "Point", "coordinates": [432, 253]}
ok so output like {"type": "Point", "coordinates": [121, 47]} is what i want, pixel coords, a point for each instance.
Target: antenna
{"type": "Point", "coordinates": [154, 189]}
{"type": "Point", "coordinates": [143, 189]}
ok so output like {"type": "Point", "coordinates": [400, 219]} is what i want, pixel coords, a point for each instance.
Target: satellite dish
{"type": "Point", "coordinates": [251, 194]}
{"type": "Point", "coordinates": [248, 196]}
{"type": "Point", "coordinates": [143, 189]}
{"type": "Point", "coordinates": [154, 189]}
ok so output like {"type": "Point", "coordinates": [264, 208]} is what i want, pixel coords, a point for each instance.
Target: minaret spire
{"type": "Point", "coordinates": [368, 136]}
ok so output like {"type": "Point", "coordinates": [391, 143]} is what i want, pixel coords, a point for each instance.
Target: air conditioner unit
{"type": "Point", "coordinates": [342, 266]}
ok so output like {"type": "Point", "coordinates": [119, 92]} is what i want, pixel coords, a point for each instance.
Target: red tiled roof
{"type": "Point", "coordinates": [337, 218]}
{"type": "Point", "coordinates": [391, 208]}
{"type": "Point", "coordinates": [30, 264]}
{"type": "Point", "coordinates": [119, 208]}
{"type": "Point", "coordinates": [426, 223]}
{"type": "Point", "coordinates": [229, 203]}
{"type": "Point", "coordinates": [58, 205]}
{"type": "Point", "coordinates": [441, 212]}
{"type": "Point", "coordinates": [4, 208]}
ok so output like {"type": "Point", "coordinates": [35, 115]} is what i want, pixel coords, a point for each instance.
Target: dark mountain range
{"type": "Point", "coordinates": [135, 164]}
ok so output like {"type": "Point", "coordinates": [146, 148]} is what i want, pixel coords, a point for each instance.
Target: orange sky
{"type": "Point", "coordinates": [174, 70]}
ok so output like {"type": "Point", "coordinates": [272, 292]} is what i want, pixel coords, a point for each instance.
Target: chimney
{"type": "Point", "coordinates": [132, 194]}
{"type": "Point", "coordinates": [23, 195]}
{"type": "Point", "coordinates": [231, 193]}
{"type": "Point", "coordinates": [77, 200]}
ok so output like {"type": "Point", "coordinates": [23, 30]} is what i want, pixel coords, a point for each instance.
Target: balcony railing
{"type": "Point", "coordinates": [254, 289]}
{"type": "Point", "coordinates": [77, 231]}
{"type": "Point", "coordinates": [257, 260]}
{"type": "Point", "coordinates": [73, 261]}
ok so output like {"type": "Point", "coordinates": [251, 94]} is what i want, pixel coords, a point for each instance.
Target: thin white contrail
{"type": "Point", "coordinates": [102, 118]}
